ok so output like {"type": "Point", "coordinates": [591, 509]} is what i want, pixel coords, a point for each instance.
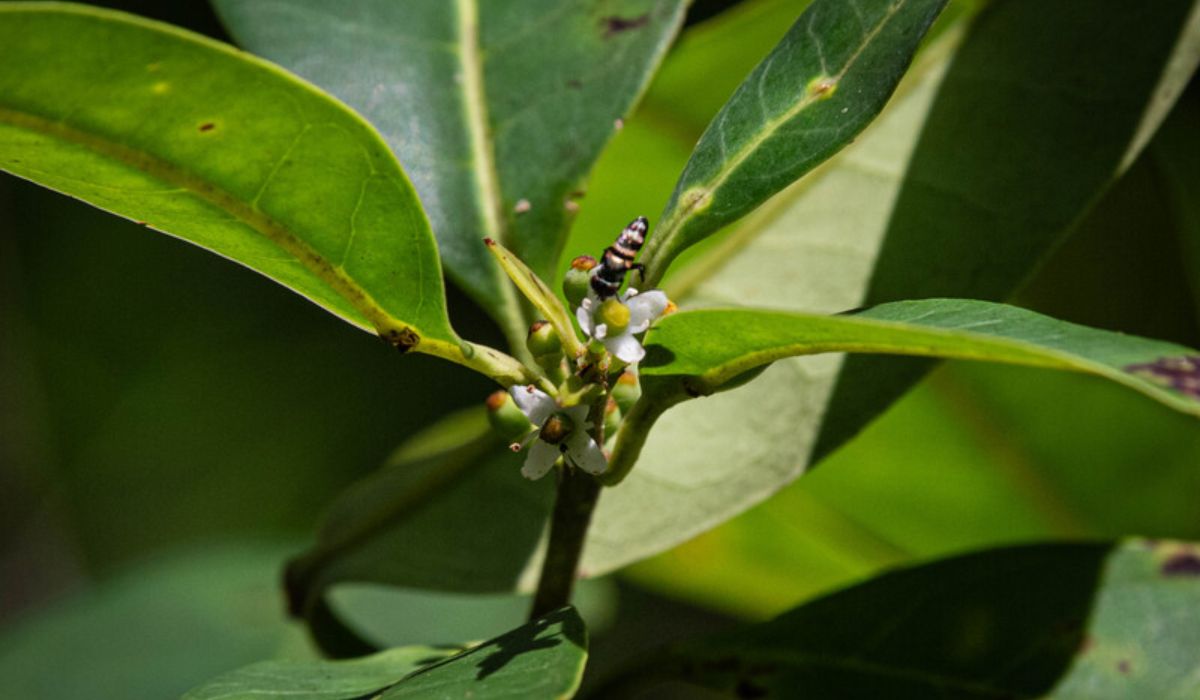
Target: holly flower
{"type": "Point", "coordinates": [615, 321]}
{"type": "Point", "coordinates": [558, 431]}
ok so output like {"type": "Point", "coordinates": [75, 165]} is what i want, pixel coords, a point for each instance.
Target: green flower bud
{"type": "Point", "coordinates": [543, 340]}
{"type": "Point", "coordinates": [615, 315]}
{"type": "Point", "coordinates": [578, 279]}
{"type": "Point", "coordinates": [612, 418]}
{"type": "Point", "coordinates": [626, 391]}
{"type": "Point", "coordinates": [545, 345]}
{"type": "Point", "coordinates": [556, 428]}
{"type": "Point", "coordinates": [505, 418]}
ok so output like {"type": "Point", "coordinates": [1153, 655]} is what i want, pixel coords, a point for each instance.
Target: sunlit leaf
{"type": "Point", "coordinates": [190, 137]}
{"type": "Point", "coordinates": [496, 110]}
{"type": "Point", "coordinates": [320, 680]}
{"type": "Point", "coordinates": [541, 659]}
{"type": "Point", "coordinates": [821, 85]}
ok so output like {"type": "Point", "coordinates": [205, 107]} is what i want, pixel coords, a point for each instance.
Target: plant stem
{"type": "Point", "coordinates": [577, 495]}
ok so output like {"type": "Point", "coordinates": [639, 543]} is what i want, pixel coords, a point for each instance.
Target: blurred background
{"type": "Point", "coordinates": [172, 426]}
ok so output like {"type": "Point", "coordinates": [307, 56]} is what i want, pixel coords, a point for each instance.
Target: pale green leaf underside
{"type": "Point", "coordinates": [927, 203]}
{"type": "Point", "coordinates": [543, 659]}
{"type": "Point", "coordinates": [194, 138]}
{"type": "Point", "coordinates": [1037, 621]}
{"type": "Point", "coordinates": [703, 349]}
{"type": "Point", "coordinates": [496, 109]}
{"type": "Point", "coordinates": [821, 85]}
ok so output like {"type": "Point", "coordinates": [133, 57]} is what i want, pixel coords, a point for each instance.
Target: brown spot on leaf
{"type": "Point", "coordinates": [1123, 666]}
{"type": "Point", "coordinates": [1179, 373]}
{"type": "Point", "coordinates": [403, 339]}
{"type": "Point", "coordinates": [614, 25]}
{"type": "Point", "coordinates": [207, 126]}
{"type": "Point", "coordinates": [575, 84]}
{"type": "Point", "coordinates": [1182, 564]}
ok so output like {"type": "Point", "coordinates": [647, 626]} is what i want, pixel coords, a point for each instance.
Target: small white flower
{"type": "Point", "coordinates": [579, 447]}
{"type": "Point", "coordinates": [643, 310]}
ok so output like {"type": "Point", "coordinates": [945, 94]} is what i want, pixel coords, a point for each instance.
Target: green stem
{"type": "Point", "coordinates": [578, 493]}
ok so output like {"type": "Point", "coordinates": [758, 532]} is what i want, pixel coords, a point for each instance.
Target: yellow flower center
{"type": "Point", "coordinates": [615, 315]}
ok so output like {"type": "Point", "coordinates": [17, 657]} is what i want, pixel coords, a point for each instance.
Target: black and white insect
{"type": "Point", "coordinates": [618, 259]}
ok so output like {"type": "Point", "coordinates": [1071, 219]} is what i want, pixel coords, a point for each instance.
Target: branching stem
{"type": "Point", "coordinates": [574, 504]}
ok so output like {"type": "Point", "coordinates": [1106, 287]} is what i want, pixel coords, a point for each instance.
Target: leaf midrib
{"type": "Point", "coordinates": [483, 161]}
{"type": "Point", "coordinates": [324, 269]}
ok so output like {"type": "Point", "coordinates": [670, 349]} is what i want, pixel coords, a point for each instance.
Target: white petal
{"type": "Point", "coordinates": [600, 332]}
{"type": "Point", "coordinates": [585, 454]}
{"type": "Point", "coordinates": [539, 459]}
{"type": "Point", "coordinates": [534, 403]}
{"type": "Point", "coordinates": [625, 347]}
{"type": "Point", "coordinates": [644, 308]}
{"type": "Point", "coordinates": [578, 416]}
{"type": "Point", "coordinates": [584, 315]}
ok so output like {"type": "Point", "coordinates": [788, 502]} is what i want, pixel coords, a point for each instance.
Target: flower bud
{"type": "Point", "coordinates": [543, 340]}
{"type": "Point", "coordinates": [615, 315]}
{"type": "Point", "coordinates": [505, 417]}
{"type": "Point", "coordinates": [612, 418]}
{"type": "Point", "coordinates": [556, 428]}
{"type": "Point", "coordinates": [578, 279]}
{"type": "Point", "coordinates": [626, 391]}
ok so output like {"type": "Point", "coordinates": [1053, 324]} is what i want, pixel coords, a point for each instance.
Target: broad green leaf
{"type": "Point", "coordinates": [193, 138]}
{"type": "Point", "coordinates": [1045, 620]}
{"type": "Point", "coordinates": [320, 680]}
{"type": "Point", "coordinates": [821, 85]}
{"type": "Point", "coordinates": [497, 110]}
{"type": "Point", "coordinates": [154, 630]}
{"type": "Point", "coordinates": [541, 659]}
{"type": "Point", "coordinates": [977, 456]}
{"type": "Point", "coordinates": [693, 353]}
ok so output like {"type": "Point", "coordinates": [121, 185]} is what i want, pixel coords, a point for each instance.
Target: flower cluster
{"type": "Point", "coordinates": [556, 421]}
{"type": "Point", "coordinates": [556, 431]}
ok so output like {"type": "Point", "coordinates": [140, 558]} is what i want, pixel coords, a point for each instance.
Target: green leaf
{"type": "Point", "coordinates": [693, 353]}
{"type": "Point", "coordinates": [541, 659]}
{"type": "Point", "coordinates": [497, 110]}
{"type": "Point", "coordinates": [190, 137]}
{"type": "Point", "coordinates": [829, 77]}
{"type": "Point", "coordinates": [320, 680]}
{"type": "Point", "coordinates": [1046, 620]}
